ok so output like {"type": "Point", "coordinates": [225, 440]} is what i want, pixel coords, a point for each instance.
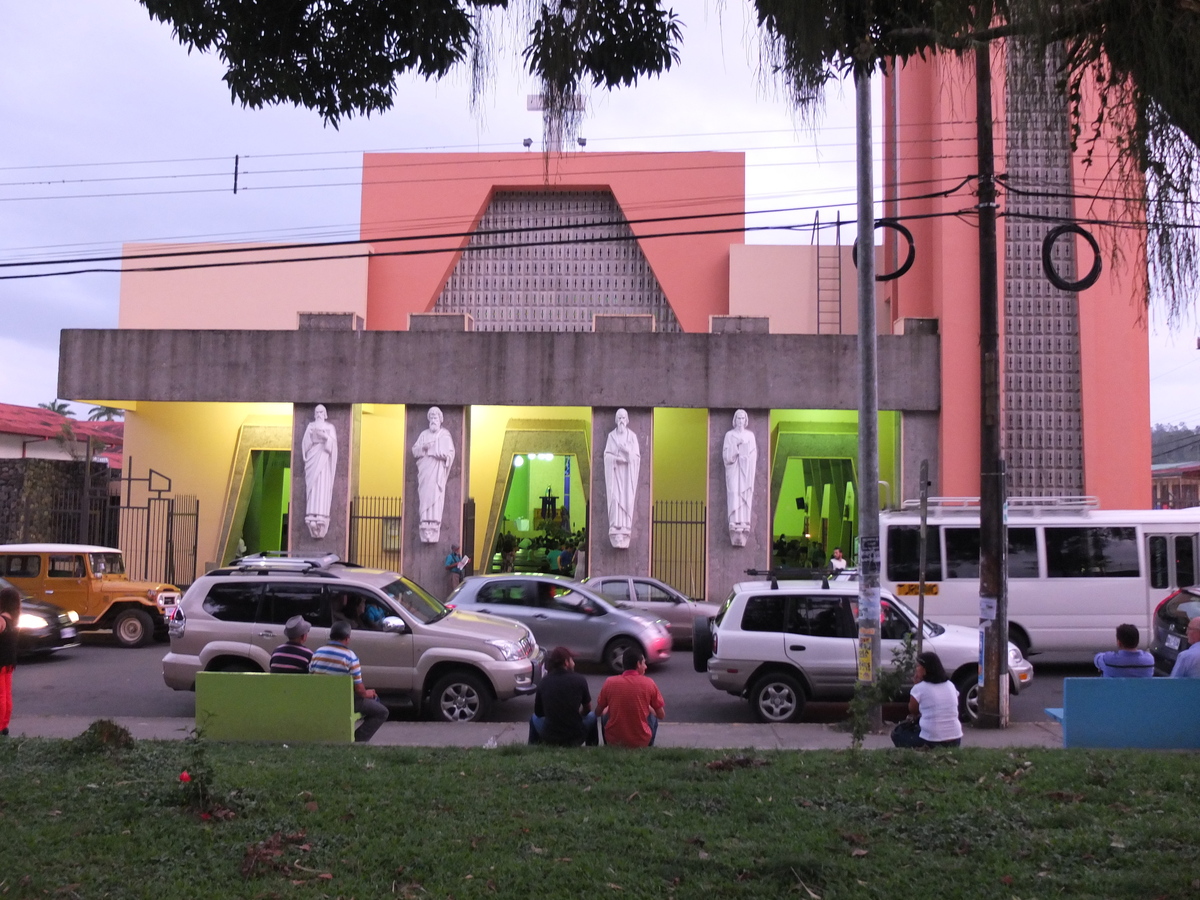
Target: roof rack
{"type": "Point", "coordinates": [789, 574]}
{"type": "Point", "coordinates": [285, 561]}
{"type": "Point", "coordinates": [944, 505]}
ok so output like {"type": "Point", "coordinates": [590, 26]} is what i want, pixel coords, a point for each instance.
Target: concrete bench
{"type": "Point", "coordinates": [255, 706]}
{"type": "Point", "coordinates": [1145, 713]}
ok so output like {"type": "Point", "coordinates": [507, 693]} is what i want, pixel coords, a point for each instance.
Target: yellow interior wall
{"type": "Point", "coordinates": [382, 451]}
{"type": "Point", "coordinates": [680, 451]}
{"type": "Point", "coordinates": [193, 445]}
{"type": "Point", "coordinates": [488, 424]}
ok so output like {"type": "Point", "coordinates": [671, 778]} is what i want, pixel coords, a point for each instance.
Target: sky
{"type": "Point", "coordinates": [112, 133]}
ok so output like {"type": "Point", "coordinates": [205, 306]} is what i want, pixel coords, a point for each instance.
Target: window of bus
{"type": "Point", "coordinates": [904, 553]}
{"type": "Point", "coordinates": [1091, 552]}
{"type": "Point", "coordinates": [1185, 561]}
{"type": "Point", "coordinates": [962, 553]}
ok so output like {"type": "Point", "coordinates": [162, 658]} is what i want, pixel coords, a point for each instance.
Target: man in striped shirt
{"type": "Point", "coordinates": [293, 657]}
{"type": "Point", "coordinates": [336, 658]}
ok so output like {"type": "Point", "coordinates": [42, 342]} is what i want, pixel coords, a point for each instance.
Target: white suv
{"type": "Point", "coordinates": [414, 650]}
{"type": "Point", "coordinates": [782, 643]}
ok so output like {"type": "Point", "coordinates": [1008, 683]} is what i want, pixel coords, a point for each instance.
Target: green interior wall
{"type": "Point", "coordinates": [680, 449]}
{"type": "Point", "coordinates": [527, 484]}
{"type": "Point", "coordinates": [270, 487]}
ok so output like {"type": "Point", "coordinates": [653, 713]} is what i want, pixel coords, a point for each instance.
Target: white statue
{"type": "Point", "coordinates": [622, 462]}
{"type": "Point", "coordinates": [434, 451]}
{"type": "Point", "coordinates": [320, 468]}
{"type": "Point", "coordinates": [740, 455]}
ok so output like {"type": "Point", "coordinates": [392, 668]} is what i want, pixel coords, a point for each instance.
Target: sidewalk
{"type": "Point", "coordinates": [491, 734]}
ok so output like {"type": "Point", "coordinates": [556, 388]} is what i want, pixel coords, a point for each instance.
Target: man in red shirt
{"type": "Point", "coordinates": [630, 704]}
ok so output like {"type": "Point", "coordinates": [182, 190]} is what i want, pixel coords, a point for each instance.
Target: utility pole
{"type": "Point", "coordinates": [868, 403]}
{"type": "Point", "coordinates": [993, 542]}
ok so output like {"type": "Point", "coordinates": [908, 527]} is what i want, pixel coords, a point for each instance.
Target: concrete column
{"type": "Point", "coordinates": [424, 562]}
{"type": "Point", "coordinates": [727, 564]}
{"type": "Point", "coordinates": [603, 557]}
{"type": "Point", "coordinates": [344, 419]}
{"type": "Point", "coordinates": [918, 441]}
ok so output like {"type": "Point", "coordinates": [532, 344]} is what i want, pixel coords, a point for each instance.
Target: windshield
{"type": "Point", "coordinates": [106, 563]}
{"type": "Point", "coordinates": [423, 605]}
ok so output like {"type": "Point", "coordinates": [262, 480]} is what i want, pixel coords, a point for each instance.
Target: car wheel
{"type": "Point", "coordinates": [968, 697]}
{"type": "Point", "coordinates": [701, 643]}
{"type": "Point", "coordinates": [1018, 637]}
{"type": "Point", "coordinates": [614, 653]}
{"type": "Point", "coordinates": [133, 628]}
{"type": "Point", "coordinates": [777, 697]}
{"type": "Point", "coordinates": [233, 664]}
{"type": "Point", "coordinates": [459, 697]}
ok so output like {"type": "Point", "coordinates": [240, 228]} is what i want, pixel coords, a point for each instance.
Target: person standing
{"type": "Point", "coordinates": [1187, 663]}
{"type": "Point", "coordinates": [336, 658]}
{"type": "Point", "coordinates": [933, 704]}
{"type": "Point", "coordinates": [562, 709]}
{"type": "Point", "coordinates": [630, 705]}
{"type": "Point", "coordinates": [837, 561]}
{"type": "Point", "coordinates": [10, 615]}
{"type": "Point", "coordinates": [454, 564]}
{"type": "Point", "coordinates": [1127, 661]}
{"type": "Point", "coordinates": [293, 657]}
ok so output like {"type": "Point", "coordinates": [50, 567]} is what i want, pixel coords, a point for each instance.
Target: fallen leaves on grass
{"type": "Point", "coordinates": [729, 763]}
{"type": "Point", "coordinates": [267, 855]}
{"type": "Point", "coordinates": [813, 895]}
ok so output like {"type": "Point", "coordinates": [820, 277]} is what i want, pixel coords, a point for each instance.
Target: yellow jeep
{"type": "Point", "coordinates": [91, 581]}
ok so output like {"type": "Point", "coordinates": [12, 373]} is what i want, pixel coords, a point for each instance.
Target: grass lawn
{"type": "Point", "coordinates": [87, 819]}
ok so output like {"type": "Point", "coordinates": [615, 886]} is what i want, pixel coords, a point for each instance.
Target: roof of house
{"type": "Point", "coordinates": [1165, 470]}
{"type": "Point", "coordinates": [36, 422]}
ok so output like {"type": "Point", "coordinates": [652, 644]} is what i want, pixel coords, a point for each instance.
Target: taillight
{"type": "Point", "coordinates": [714, 634]}
{"type": "Point", "coordinates": [1165, 601]}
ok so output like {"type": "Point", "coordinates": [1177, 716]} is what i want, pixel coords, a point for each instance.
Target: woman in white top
{"type": "Point", "coordinates": [933, 702]}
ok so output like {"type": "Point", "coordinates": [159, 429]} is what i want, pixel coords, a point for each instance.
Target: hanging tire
{"type": "Point", "coordinates": [133, 628]}
{"type": "Point", "coordinates": [968, 696]}
{"type": "Point", "coordinates": [776, 698]}
{"type": "Point", "coordinates": [701, 643]}
{"type": "Point", "coordinates": [614, 653]}
{"type": "Point", "coordinates": [460, 697]}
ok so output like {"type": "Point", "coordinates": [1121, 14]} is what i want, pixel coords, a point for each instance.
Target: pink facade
{"type": "Point", "coordinates": [446, 193]}
{"type": "Point", "coordinates": [930, 146]}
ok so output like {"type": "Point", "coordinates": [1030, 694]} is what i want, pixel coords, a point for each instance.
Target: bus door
{"type": "Point", "coordinates": [1170, 564]}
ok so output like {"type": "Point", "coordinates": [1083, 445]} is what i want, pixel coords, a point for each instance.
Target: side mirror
{"type": "Point", "coordinates": [395, 625]}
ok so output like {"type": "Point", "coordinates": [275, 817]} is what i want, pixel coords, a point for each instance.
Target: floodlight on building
{"type": "Point", "coordinates": [518, 461]}
{"type": "Point", "coordinates": [582, 141]}
{"type": "Point", "coordinates": [527, 143]}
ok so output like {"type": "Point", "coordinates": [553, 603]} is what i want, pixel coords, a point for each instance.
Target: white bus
{"type": "Point", "coordinates": [1075, 572]}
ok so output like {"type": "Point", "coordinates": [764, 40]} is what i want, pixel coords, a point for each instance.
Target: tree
{"type": "Point", "coordinates": [58, 406]}
{"type": "Point", "coordinates": [342, 58]}
{"type": "Point", "coordinates": [105, 414]}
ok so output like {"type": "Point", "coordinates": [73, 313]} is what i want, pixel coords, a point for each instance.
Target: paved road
{"type": "Point", "coordinates": [103, 680]}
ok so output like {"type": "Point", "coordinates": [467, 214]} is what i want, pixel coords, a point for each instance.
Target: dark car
{"type": "Point", "coordinates": [43, 627]}
{"type": "Point", "coordinates": [1170, 627]}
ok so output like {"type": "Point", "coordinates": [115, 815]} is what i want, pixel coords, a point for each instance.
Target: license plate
{"type": "Point", "coordinates": [1173, 641]}
{"type": "Point", "coordinates": [68, 632]}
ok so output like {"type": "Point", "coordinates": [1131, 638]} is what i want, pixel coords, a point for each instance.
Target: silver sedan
{"type": "Point", "coordinates": [656, 598]}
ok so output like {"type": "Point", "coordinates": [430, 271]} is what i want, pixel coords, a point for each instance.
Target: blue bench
{"type": "Point", "coordinates": [1144, 713]}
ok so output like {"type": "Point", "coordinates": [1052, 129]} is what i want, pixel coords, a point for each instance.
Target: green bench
{"type": "Point", "coordinates": [255, 706]}
{"type": "Point", "coordinates": [1144, 713]}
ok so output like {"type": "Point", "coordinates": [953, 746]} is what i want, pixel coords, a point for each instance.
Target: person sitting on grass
{"type": "Point", "coordinates": [562, 709]}
{"type": "Point", "coordinates": [1127, 661]}
{"type": "Point", "coordinates": [336, 658]}
{"type": "Point", "coordinates": [630, 704]}
{"type": "Point", "coordinates": [933, 703]}
{"type": "Point", "coordinates": [293, 657]}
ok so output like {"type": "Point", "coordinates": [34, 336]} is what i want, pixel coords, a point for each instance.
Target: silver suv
{"type": "Point", "coordinates": [414, 650]}
{"type": "Point", "coordinates": [782, 643]}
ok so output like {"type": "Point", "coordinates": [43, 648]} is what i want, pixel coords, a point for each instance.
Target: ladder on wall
{"type": "Point", "coordinates": [829, 278]}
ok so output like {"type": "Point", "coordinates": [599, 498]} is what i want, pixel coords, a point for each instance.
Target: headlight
{"type": "Point", "coordinates": [1014, 655]}
{"type": "Point", "coordinates": [72, 616]}
{"type": "Point", "coordinates": [508, 649]}
{"type": "Point", "coordinates": [30, 621]}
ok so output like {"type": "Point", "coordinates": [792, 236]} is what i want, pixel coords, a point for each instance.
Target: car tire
{"type": "Point", "coordinates": [777, 698]}
{"type": "Point", "coordinates": [459, 697]}
{"type": "Point", "coordinates": [968, 696]}
{"type": "Point", "coordinates": [701, 643]}
{"type": "Point", "coordinates": [1019, 639]}
{"type": "Point", "coordinates": [614, 653]}
{"type": "Point", "coordinates": [133, 628]}
{"type": "Point", "coordinates": [234, 664]}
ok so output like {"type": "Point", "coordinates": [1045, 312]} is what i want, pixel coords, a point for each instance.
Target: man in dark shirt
{"type": "Point", "coordinates": [562, 710]}
{"type": "Point", "coordinates": [293, 657]}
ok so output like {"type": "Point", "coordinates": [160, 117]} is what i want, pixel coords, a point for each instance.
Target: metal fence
{"type": "Point", "coordinates": [375, 532]}
{"type": "Point", "coordinates": [158, 540]}
{"type": "Point", "coordinates": [677, 555]}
